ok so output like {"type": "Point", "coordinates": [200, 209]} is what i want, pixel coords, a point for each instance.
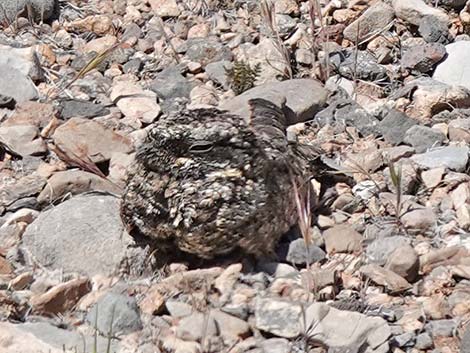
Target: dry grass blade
{"type": "Point", "coordinates": [321, 70]}
{"type": "Point", "coordinates": [312, 15]}
{"type": "Point", "coordinates": [356, 53]}
{"type": "Point", "coordinates": [95, 336]}
{"type": "Point", "coordinates": [377, 33]}
{"type": "Point", "coordinates": [308, 331]}
{"type": "Point", "coordinates": [30, 13]}
{"type": "Point", "coordinates": [11, 23]}
{"type": "Point", "coordinates": [93, 63]}
{"type": "Point", "coordinates": [168, 40]}
{"type": "Point", "coordinates": [355, 167]}
{"type": "Point", "coordinates": [90, 65]}
{"type": "Point", "coordinates": [83, 163]}
{"type": "Point", "coordinates": [302, 202]}
{"type": "Point", "coordinates": [6, 21]}
{"type": "Point", "coordinates": [197, 7]}
{"type": "Point", "coordinates": [110, 332]}
{"type": "Point", "coordinates": [268, 14]}
{"type": "Point", "coordinates": [396, 177]}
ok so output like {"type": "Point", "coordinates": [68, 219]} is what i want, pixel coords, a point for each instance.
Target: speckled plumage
{"type": "Point", "coordinates": [209, 182]}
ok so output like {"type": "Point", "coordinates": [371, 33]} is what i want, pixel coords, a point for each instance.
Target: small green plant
{"type": "Point", "coordinates": [306, 340]}
{"type": "Point", "coordinates": [242, 76]}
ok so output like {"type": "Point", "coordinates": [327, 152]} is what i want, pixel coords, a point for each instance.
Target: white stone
{"type": "Point", "coordinates": [412, 11]}
{"type": "Point", "coordinates": [265, 53]}
{"type": "Point", "coordinates": [165, 8]}
{"type": "Point", "coordinates": [15, 340]}
{"type": "Point", "coordinates": [345, 329]}
{"type": "Point", "coordinates": [451, 157]}
{"type": "Point", "coordinates": [455, 69]}
{"type": "Point", "coordinates": [24, 60]}
{"type": "Point", "coordinates": [430, 95]}
{"type": "Point", "coordinates": [135, 102]}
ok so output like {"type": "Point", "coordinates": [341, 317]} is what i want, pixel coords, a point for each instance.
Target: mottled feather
{"type": "Point", "coordinates": [209, 182]}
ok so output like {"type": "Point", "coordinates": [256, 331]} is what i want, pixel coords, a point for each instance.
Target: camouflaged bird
{"type": "Point", "coordinates": [209, 182]}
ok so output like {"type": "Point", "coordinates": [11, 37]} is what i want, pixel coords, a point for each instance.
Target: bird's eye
{"type": "Point", "coordinates": [201, 147]}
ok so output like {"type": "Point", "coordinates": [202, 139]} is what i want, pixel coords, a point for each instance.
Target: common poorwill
{"type": "Point", "coordinates": [209, 182]}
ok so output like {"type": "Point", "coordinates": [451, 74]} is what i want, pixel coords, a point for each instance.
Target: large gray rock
{"type": "Point", "coordinates": [465, 343]}
{"type": "Point", "coordinates": [428, 97]}
{"type": "Point", "coordinates": [42, 9]}
{"type": "Point", "coordinates": [83, 235]}
{"type": "Point", "coordinates": [394, 126]}
{"type": "Point", "coordinates": [170, 83]}
{"type": "Point", "coordinates": [424, 342]}
{"type": "Point", "coordinates": [380, 249]}
{"type": "Point", "coordinates": [423, 137]}
{"type": "Point", "coordinates": [285, 24]}
{"type": "Point", "coordinates": [74, 182]}
{"type": "Point", "coordinates": [336, 329]}
{"type": "Point", "coordinates": [115, 314]}
{"type": "Point", "coordinates": [271, 61]}
{"type": "Point", "coordinates": [434, 31]}
{"type": "Point", "coordinates": [24, 60]}
{"type": "Point", "coordinates": [451, 157]}
{"type": "Point", "coordinates": [347, 112]}
{"type": "Point", "coordinates": [23, 139]}
{"type": "Point", "coordinates": [361, 65]}
{"type": "Point", "coordinates": [217, 72]}
{"type": "Point", "coordinates": [372, 21]}
{"type": "Point", "coordinates": [278, 317]}
{"type": "Point", "coordinates": [341, 330]}
{"type": "Point", "coordinates": [455, 69]}
{"type": "Point", "coordinates": [90, 139]}
{"type": "Point", "coordinates": [15, 340]}
{"type": "Point", "coordinates": [441, 328]}
{"type": "Point", "coordinates": [15, 84]}
{"type": "Point", "coordinates": [299, 255]}
{"type": "Point", "coordinates": [412, 11]}
{"type": "Point", "coordinates": [22, 188]}
{"type": "Point", "coordinates": [60, 339]}
{"type": "Point", "coordinates": [423, 57]}
{"type": "Point", "coordinates": [74, 108]}
{"type": "Point", "coordinates": [207, 50]}
{"type": "Point", "coordinates": [303, 98]}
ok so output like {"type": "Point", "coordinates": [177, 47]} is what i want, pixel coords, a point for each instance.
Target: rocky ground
{"type": "Point", "coordinates": [387, 266]}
